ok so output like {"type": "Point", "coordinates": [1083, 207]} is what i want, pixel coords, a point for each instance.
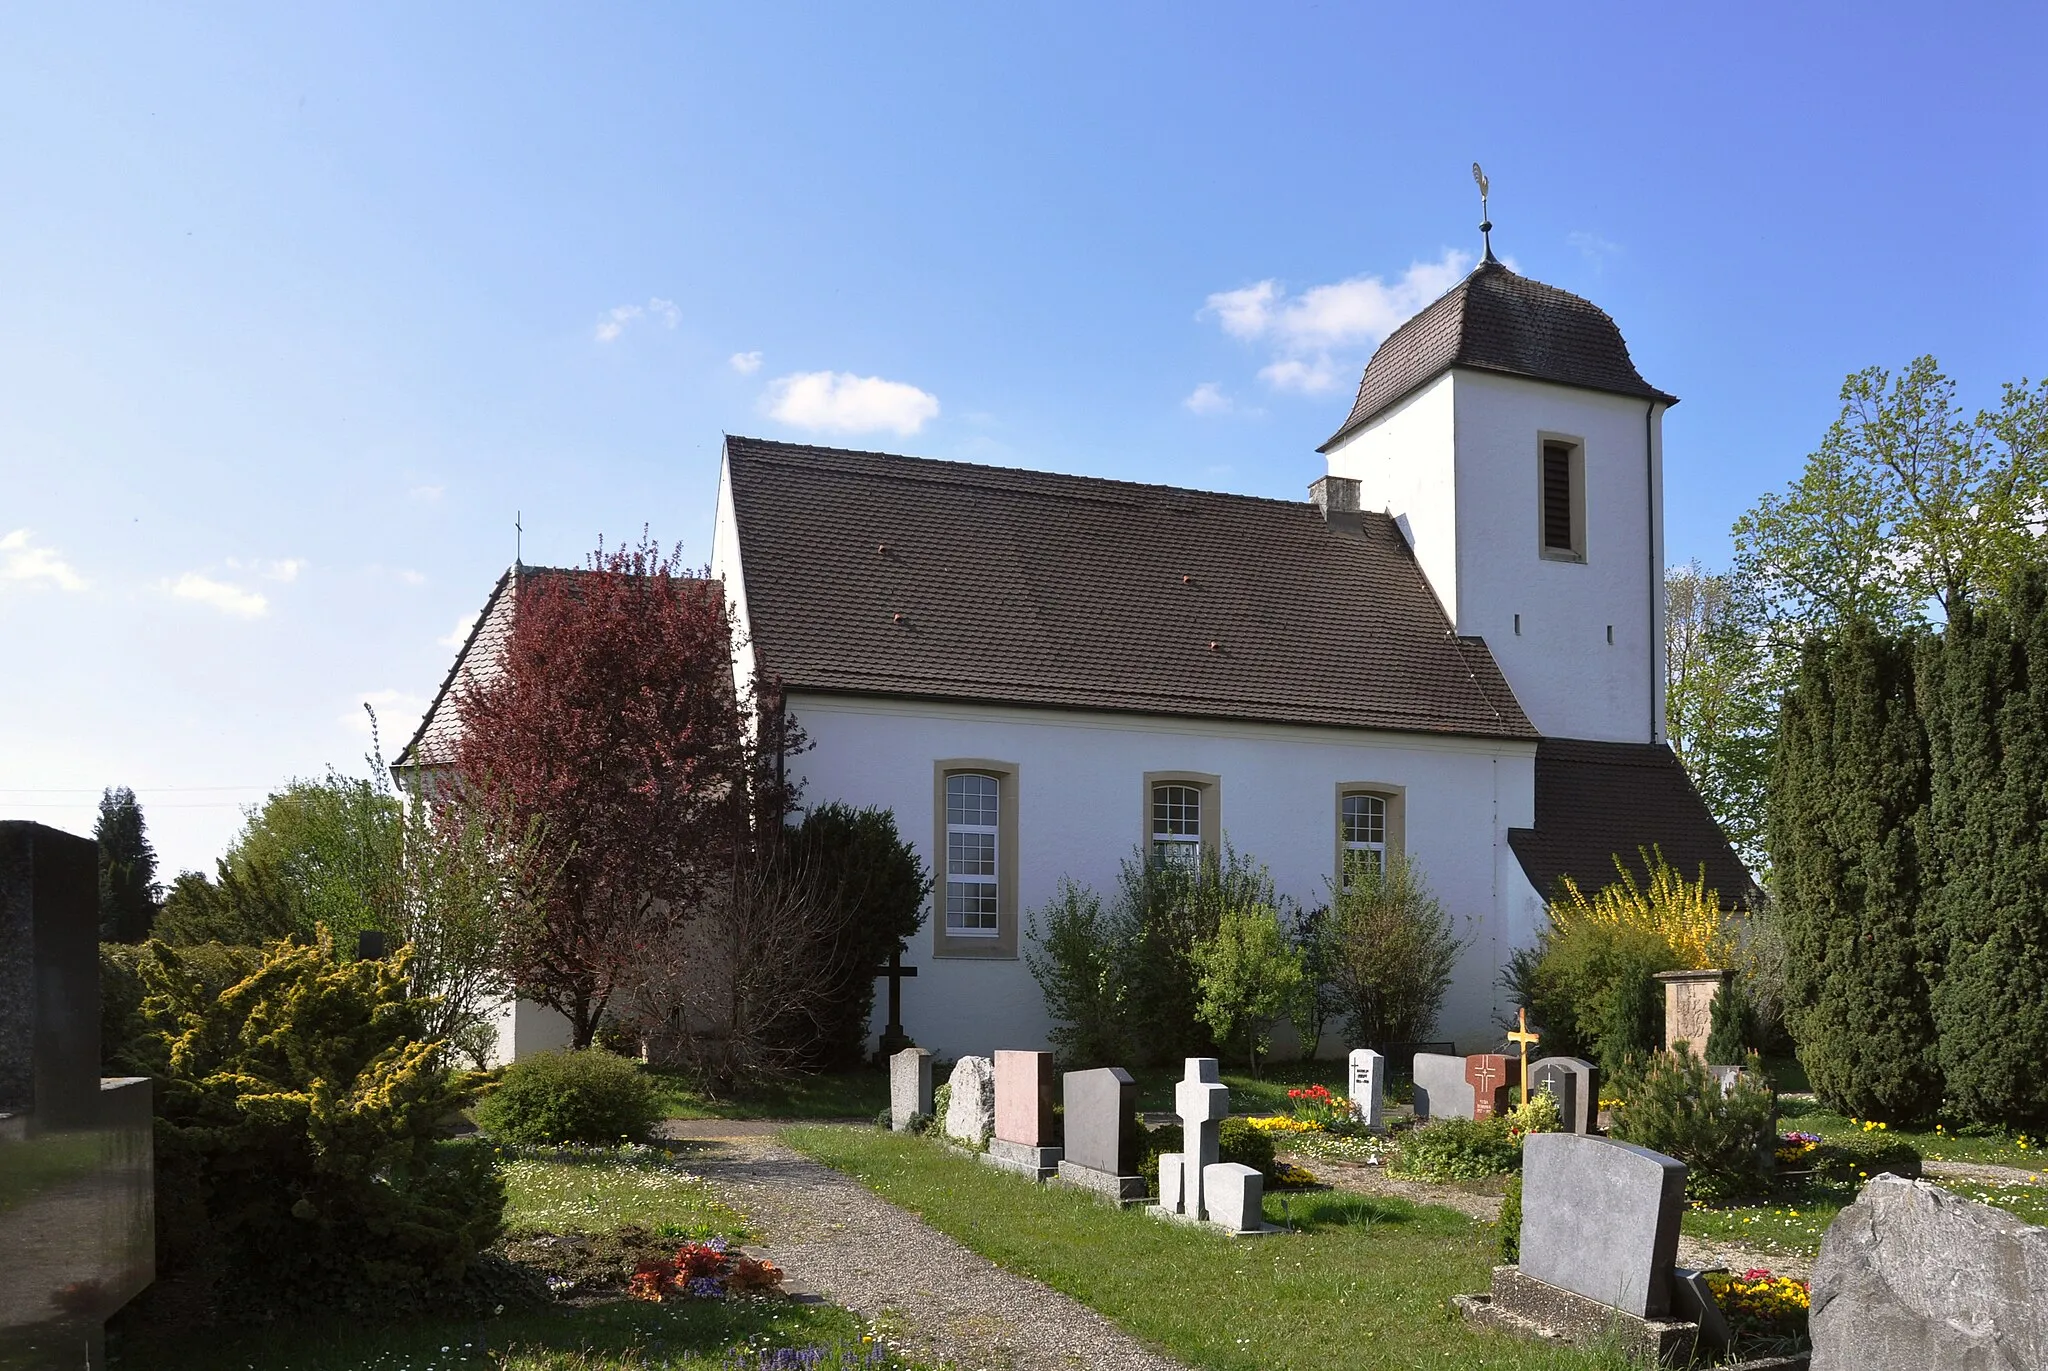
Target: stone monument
{"type": "Point", "coordinates": [1366, 1084]}
{"type": "Point", "coordinates": [1101, 1135]}
{"type": "Point", "coordinates": [1689, 1007]}
{"type": "Point", "coordinates": [1492, 1078]}
{"type": "Point", "coordinates": [1441, 1088]}
{"type": "Point", "coordinates": [1026, 1134]}
{"type": "Point", "coordinates": [910, 1087]}
{"type": "Point", "coordinates": [1194, 1186]}
{"type": "Point", "coordinates": [971, 1101]}
{"type": "Point", "coordinates": [79, 1234]}
{"type": "Point", "coordinates": [1574, 1083]}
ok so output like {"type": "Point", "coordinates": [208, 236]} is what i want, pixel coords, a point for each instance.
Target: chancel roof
{"type": "Point", "coordinates": [868, 573]}
{"type": "Point", "coordinates": [1495, 320]}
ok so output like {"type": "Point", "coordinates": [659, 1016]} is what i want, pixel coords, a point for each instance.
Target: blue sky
{"type": "Point", "coordinates": [299, 304]}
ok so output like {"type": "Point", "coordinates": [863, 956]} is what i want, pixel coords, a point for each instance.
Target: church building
{"type": "Point", "coordinates": [1453, 648]}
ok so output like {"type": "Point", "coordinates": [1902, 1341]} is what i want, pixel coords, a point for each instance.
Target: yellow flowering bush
{"type": "Point", "coordinates": [1684, 913]}
{"type": "Point", "coordinates": [1283, 1123]}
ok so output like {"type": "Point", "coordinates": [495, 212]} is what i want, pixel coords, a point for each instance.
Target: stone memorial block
{"type": "Point", "coordinates": [1493, 1080]}
{"type": "Point", "coordinates": [1100, 1138]}
{"type": "Point", "coordinates": [1366, 1084]}
{"type": "Point", "coordinates": [1025, 1121]}
{"type": "Point", "coordinates": [1173, 1189]}
{"type": "Point", "coordinates": [971, 1103]}
{"type": "Point", "coordinates": [1201, 1099]}
{"type": "Point", "coordinates": [1693, 1299]}
{"type": "Point", "coordinates": [1575, 1083]}
{"type": "Point", "coordinates": [1441, 1089]}
{"type": "Point", "coordinates": [1234, 1195]}
{"type": "Point", "coordinates": [910, 1087]}
{"type": "Point", "coordinates": [1689, 1007]}
{"type": "Point", "coordinates": [1910, 1276]}
{"type": "Point", "coordinates": [1600, 1219]}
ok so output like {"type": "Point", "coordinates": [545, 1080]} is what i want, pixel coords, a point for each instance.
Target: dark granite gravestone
{"type": "Point", "coordinates": [1493, 1078]}
{"type": "Point", "coordinates": [1101, 1141]}
{"type": "Point", "coordinates": [1441, 1090]}
{"type": "Point", "coordinates": [78, 1240]}
{"type": "Point", "coordinates": [1575, 1083]}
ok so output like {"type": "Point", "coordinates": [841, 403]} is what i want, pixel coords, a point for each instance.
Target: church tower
{"type": "Point", "coordinates": [1509, 434]}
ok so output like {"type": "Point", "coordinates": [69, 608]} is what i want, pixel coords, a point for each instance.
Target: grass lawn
{"type": "Point", "coordinates": [573, 1190]}
{"type": "Point", "coordinates": [1939, 1143]}
{"type": "Point", "coordinates": [858, 1094]}
{"type": "Point", "coordinates": [1264, 1094]}
{"type": "Point", "coordinates": [1364, 1284]}
{"type": "Point", "coordinates": [1795, 1220]}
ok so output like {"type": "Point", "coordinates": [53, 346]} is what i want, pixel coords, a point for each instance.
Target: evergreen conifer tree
{"type": "Point", "coordinates": [1847, 825]}
{"type": "Point", "coordinates": [1728, 1031]}
{"type": "Point", "coordinates": [1983, 695]}
{"type": "Point", "coordinates": [128, 891]}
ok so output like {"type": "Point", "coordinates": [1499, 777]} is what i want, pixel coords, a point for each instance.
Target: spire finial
{"type": "Point", "coordinates": [1485, 219]}
{"type": "Point", "coordinates": [518, 540]}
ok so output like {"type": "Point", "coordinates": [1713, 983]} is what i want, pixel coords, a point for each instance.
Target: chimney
{"type": "Point", "coordinates": [1337, 498]}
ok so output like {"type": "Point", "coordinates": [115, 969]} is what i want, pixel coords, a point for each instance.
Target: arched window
{"type": "Point", "coordinates": [1177, 823]}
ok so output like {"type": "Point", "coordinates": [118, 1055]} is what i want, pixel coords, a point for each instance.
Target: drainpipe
{"type": "Point", "coordinates": [1650, 538]}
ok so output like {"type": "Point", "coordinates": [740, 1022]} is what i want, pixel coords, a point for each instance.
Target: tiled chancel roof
{"type": "Point", "coordinates": [479, 658]}
{"type": "Point", "coordinates": [1598, 800]}
{"type": "Point", "coordinates": [876, 574]}
{"type": "Point", "coordinates": [1495, 320]}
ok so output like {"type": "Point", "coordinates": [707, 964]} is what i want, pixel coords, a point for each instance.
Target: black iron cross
{"type": "Point", "coordinates": [894, 1039]}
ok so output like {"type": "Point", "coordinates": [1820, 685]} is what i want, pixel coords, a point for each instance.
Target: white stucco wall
{"type": "Point", "coordinates": [1080, 807]}
{"type": "Point", "coordinates": [725, 565]}
{"type": "Point", "coordinates": [1459, 464]}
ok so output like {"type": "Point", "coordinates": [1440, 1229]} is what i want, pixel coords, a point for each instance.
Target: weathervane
{"type": "Point", "coordinates": [519, 531]}
{"type": "Point", "coordinates": [1485, 219]}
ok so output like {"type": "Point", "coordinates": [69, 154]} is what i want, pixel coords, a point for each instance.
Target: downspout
{"type": "Point", "coordinates": [1650, 541]}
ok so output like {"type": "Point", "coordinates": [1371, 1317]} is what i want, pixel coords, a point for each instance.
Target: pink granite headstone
{"type": "Point", "coordinates": [1024, 1096]}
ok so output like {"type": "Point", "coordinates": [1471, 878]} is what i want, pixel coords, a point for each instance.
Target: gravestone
{"type": "Point", "coordinates": [1575, 1083]}
{"type": "Point", "coordinates": [1493, 1084]}
{"type": "Point", "coordinates": [910, 1087]}
{"type": "Point", "coordinates": [1689, 1007]}
{"type": "Point", "coordinates": [1234, 1197]}
{"type": "Point", "coordinates": [1025, 1125]}
{"type": "Point", "coordinates": [77, 1232]}
{"type": "Point", "coordinates": [1910, 1276]}
{"type": "Point", "coordinates": [1366, 1086]}
{"type": "Point", "coordinates": [1100, 1138]}
{"type": "Point", "coordinates": [1201, 1099]}
{"type": "Point", "coordinates": [1600, 1219]}
{"type": "Point", "coordinates": [971, 1102]}
{"type": "Point", "coordinates": [1441, 1089]}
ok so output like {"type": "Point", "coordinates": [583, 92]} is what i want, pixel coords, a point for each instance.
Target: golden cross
{"type": "Point", "coordinates": [1527, 1040]}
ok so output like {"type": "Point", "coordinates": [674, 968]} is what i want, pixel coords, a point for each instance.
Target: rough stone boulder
{"type": "Point", "coordinates": [971, 1109]}
{"type": "Point", "coordinates": [1912, 1278]}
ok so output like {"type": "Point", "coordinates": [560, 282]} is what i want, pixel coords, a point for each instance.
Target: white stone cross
{"type": "Point", "coordinates": [1201, 1099]}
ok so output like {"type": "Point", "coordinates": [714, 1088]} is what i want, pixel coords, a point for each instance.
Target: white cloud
{"type": "Point", "coordinates": [745, 363]}
{"type": "Point", "coordinates": [1208, 398]}
{"type": "Point", "coordinates": [427, 493]}
{"type": "Point", "coordinates": [1308, 331]}
{"type": "Point", "coordinates": [285, 569]}
{"type": "Point", "coordinates": [840, 402]}
{"type": "Point", "coordinates": [614, 320]}
{"type": "Point", "coordinates": [411, 577]}
{"type": "Point", "coordinates": [398, 712]}
{"type": "Point", "coordinates": [36, 567]}
{"type": "Point", "coordinates": [459, 635]}
{"type": "Point", "coordinates": [220, 595]}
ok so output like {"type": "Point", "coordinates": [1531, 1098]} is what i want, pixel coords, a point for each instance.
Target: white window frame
{"type": "Point", "coordinates": [1350, 846]}
{"type": "Point", "coordinates": [989, 881]}
{"type": "Point", "coordinates": [1183, 849]}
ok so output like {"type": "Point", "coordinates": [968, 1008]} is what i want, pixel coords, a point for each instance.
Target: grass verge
{"type": "Point", "coordinates": [590, 1190]}
{"type": "Point", "coordinates": [859, 1094]}
{"type": "Point", "coordinates": [1365, 1283]}
{"type": "Point", "coordinates": [1794, 1220]}
{"type": "Point", "coordinates": [1940, 1143]}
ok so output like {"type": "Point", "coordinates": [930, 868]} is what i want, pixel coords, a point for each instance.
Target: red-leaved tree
{"type": "Point", "coordinates": [612, 728]}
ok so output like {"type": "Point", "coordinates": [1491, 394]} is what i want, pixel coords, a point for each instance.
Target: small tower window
{"type": "Point", "coordinates": [1563, 513]}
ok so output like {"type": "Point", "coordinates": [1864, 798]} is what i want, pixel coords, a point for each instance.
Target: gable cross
{"type": "Point", "coordinates": [1528, 1040]}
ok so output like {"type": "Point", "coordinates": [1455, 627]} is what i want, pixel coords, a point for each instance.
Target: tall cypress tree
{"type": "Point", "coordinates": [1984, 697]}
{"type": "Point", "coordinates": [1847, 819]}
{"type": "Point", "coordinates": [128, 893]}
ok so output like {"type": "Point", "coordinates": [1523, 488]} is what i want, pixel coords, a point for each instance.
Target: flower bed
{"type": "Point", "coordinates": [704, 1270]}
{"type": "Point", "coordinates": [1764, 1310]}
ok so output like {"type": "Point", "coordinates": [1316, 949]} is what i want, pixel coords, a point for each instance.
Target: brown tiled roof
{"type": "Point", "coordinates": [1597, 800]}
{"type": "Point", "coordinates": [874, 574]}
{"type": "Point", "coordinates": [1495, 320]}
{"type": "Point", "coordinates": [479, 659]}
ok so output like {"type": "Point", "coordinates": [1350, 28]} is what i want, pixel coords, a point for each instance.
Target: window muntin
{"type": "Point", "coordinates": [973, 806]}
{"type": "Point", "coordinates": [1177, 823]}
{"type": "Point", "coordinates": [1558, 532]}
{"type": "Point", "coordinates": [1362, 832]}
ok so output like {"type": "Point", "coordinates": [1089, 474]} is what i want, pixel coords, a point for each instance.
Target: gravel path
{"type": "Point", "coordinates": [931, 1295]}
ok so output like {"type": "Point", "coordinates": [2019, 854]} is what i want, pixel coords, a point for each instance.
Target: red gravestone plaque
{"type": "Point", "coordinates": [1491, 1092]}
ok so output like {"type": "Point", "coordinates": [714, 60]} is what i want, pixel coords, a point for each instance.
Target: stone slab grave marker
{"type": "Point", "coordinates": [971, 1102]}
{"type": "Point", "coordinates": [1575, 1084]}
{"type": "Point", "coordinates": [1492, 1088]}
{"type": "Point", "coordinates": [1100, 1139]}
{"type": "Point", "coordinates": [1441, 1088]}
{"type": "Point", "coordinates": [78, 1233]}
{"type": "Point", "coordinates": [1201, 1099]}
{"type": "Point", "coordinates": [1689, 1007]}
{"type": "Point", "coordinates": [1025, 1124]}
{"type": "Point", "coordinates": [910, 1087]}
{"type": "Point", "coordinates": [1366, 1084]}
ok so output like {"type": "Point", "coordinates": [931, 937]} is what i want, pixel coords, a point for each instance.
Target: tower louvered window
{"type": "Point", "coordinates": [1558, 533]}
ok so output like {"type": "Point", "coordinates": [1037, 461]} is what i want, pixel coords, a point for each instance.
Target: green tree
{"type": "Point", "coordinates": [1847, 834]}
{"type": "Point", "coordinates": [1720, 699]}
{"type": "Point", "coordinates": [128, 889]}
{"type": "Point", "coordinates": [1074, 955]}
{"type": "Point", "coordinates": [1393, 951]}
{"type": "Point", "coordinates": [1250, 977]}
{"type": "Point", "coordinates": [336, 844]}
{"type": "Point", "coordinates": [1983, 693]}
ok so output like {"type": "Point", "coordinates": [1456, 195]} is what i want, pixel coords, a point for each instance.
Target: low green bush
{"type": "Point", "coordinates": [1856, 1159]}
{"type": "Point", "coordinates": [1727, 1141]}
{"type": "Point", "coordinates": [1237, 1141]}
{"type": "Point", "coordinates": [1157, 1142]}
{"type": "Point", "coordinates": [942, 1100]}
{"type": "Point", "coordinates": [1458, 1150]}
{"type": "Point", "coordinates": [583, 1097]}
{"type": "Point", "coordinates": [1511, 1222]}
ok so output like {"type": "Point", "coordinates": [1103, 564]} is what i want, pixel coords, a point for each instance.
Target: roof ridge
{"type": "Point", "coordinates": [461, 655]}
